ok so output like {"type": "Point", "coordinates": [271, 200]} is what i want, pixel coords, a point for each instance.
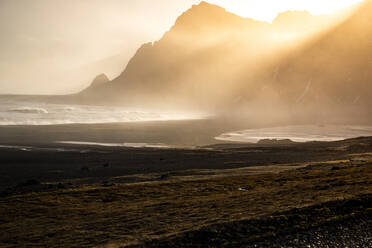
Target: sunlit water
{"type": "Point", "coordinates": [32, 113]}
{"type": "Point", "coordinates": [131, 145]}
{"type": "Point", "coordinates": [299, 133]}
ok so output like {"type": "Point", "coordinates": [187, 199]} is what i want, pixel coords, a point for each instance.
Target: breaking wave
{"type": "Point", "coordinates": [14, 113]}
{"type": "Point", "coordinates": [29, 110]}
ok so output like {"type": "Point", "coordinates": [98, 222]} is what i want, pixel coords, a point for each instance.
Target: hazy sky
{"type": "Point", "coordinates": [58, 46]}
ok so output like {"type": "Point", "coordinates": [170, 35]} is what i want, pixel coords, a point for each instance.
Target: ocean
{"type": "Point", "coordinates": [15, 112]}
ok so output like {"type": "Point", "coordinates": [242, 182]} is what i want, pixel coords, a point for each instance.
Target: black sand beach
{"type": "Point", "coordinates": [175, 133]}
{"type": "Point", "coordinates": [193, 194]}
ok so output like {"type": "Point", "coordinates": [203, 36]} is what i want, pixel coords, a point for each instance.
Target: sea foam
{"type": "Point", "coordinates": [15, 113]}
{"type": "Point", "coordinates": [131, 145]}
{"type": "Point", "coordinates": [29, 110]}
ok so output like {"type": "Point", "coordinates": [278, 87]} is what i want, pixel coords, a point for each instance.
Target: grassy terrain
{"type": "Point", "coordinates": [172, 210]}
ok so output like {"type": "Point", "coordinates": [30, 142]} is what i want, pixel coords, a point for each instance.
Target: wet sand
{"type": "Point", "coordinates": [174, 133]}
{"type": "Point", "coordinates": [88, 164]}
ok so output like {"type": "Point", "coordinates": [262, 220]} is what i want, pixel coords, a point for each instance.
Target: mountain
{"type": "Point", "coordinates": [301, 24]}
{"type": "Point", "coordinates": [199, 50]}
{"type": "Point", "coordinates": [99, 80]}
{"type": "Point", "coordinates": [332, 74]}
{"type": "Point", "coordinates": [216, 61]}
{"type": "Point", "coordinates": [198, 62]}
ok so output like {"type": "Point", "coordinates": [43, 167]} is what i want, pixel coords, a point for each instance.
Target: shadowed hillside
{"type": "Point", "coordinates": [332, 74]}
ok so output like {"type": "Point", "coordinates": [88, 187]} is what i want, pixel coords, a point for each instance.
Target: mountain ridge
{"type": "Point", "coordinates": [219, 59]}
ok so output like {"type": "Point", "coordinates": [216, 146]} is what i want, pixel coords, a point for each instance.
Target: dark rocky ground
{"type": "Point", "coordinates": [76, 164]}
{"type": "Point", "coordinates": [295, 195]}
{"type": "Point", "coordinates": [344, 223]}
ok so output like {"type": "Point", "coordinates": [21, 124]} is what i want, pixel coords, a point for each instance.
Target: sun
{"type": "Point", "coordinates": [267, 10]}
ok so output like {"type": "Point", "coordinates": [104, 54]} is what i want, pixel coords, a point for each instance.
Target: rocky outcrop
{"type": "Point", "coordinates": [100, 80]}
{"type": "Point", "coordinates": [96, 91]}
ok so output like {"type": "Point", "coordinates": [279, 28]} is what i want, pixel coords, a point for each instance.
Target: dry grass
{"type": "Point", "coordinates": [127, 214]}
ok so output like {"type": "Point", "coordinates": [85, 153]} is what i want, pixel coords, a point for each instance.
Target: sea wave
{"type": "Point", "coordinates": [69, 109]}
{"type": "Point", "coordinates": [29, 110]}
{"type": "Point", "coordinates": [85, 120]}
{"type": "Point", "coordinates": [12, 114]}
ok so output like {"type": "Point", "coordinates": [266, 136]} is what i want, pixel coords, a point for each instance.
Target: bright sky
{"type": "Point", "coordinates": [58, 46]}
{"type": "Point", "coordinates": [268, 9]}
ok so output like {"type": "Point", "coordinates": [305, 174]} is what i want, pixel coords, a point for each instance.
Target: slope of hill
{"type": "Point", "coordinates": [333, 72]}
{"type": "Point", "coordinates": [199, 61]}
{"type": "Point", "coordinates": [215, 60]}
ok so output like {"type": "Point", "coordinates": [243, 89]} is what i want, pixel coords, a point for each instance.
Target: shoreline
{"type": "Point", "coordinates": [175, 133]}
{"type": "Point", "coordinates": [152, 197]}
{"type": "Point", "coordinates": [178, 133]}
{"type": "Point", "coordinates": [176, 198]}
{"type": "Point", "coordinates": [61, 163]}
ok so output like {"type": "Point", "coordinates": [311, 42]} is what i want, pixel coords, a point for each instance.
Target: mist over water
{"type": "Point", "coordinates": [14, 112]}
